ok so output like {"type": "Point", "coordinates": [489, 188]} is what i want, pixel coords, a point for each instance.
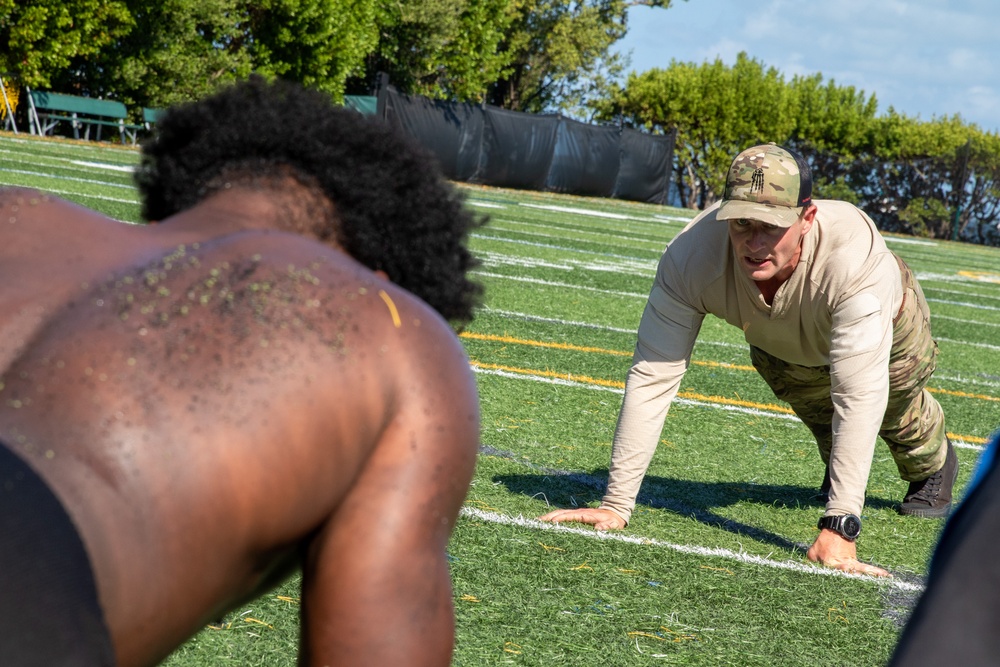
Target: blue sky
{"type": "Point", "coordinates": [925, 58]}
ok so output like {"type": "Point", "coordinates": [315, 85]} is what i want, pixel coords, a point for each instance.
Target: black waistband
{"type": "Point", "coordinates": [49, 610]}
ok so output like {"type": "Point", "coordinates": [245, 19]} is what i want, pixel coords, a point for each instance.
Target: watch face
{"type": "Point", "coordinates": [851, 526]}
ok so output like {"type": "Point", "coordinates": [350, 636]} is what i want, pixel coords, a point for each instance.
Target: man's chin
{"type": "Point", "coordinates": [758, 272]}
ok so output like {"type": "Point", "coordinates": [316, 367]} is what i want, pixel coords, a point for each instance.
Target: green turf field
{"type": "Point", "coordinates": [712, 569]}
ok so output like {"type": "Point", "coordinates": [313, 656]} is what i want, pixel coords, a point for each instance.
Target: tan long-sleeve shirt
{"type": "Point", "coordinates": [835, 310]}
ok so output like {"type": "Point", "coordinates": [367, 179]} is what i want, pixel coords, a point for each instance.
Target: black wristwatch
{"type": "Point", "coordinates": [847, 526]}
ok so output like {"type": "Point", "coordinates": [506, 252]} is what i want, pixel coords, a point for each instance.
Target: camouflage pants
{"type": "Point", "coordinates": [913, 425]}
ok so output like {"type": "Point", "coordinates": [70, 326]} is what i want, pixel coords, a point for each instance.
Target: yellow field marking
{"type": "Point", "coordinates": [538, 343]}
{"type": "Point", "coordinates": [582, 348]}
{"type": "Point", "coordinates": [392, 308]}
{"type": "Point", "coordinates": [690, 395]}
{"type": "Point", "coordinates": [984, 276]}
{"type": "Point", "coordinates": [548, 548]}
{"type": "Point", "coordinates": [709, 364]}
{"type": "Point", "coordinates": [963, 394]}
{"type": "Point", "coordinates": [616, 384]}
{"type": "Point", "coordinates": [250, 619]}
{"type": "Point", "coordinates": [723, 364]}
{"type": "Point", "coordinates": [469, 598]}
{"type": "Point", "coordinates": [967, 438]}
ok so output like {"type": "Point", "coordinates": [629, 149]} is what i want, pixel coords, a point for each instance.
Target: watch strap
{"type": "Point", "coordinates": [847, 526]}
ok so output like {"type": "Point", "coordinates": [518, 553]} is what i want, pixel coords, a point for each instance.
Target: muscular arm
{"type": "Point", "coordinates": [376, 587]}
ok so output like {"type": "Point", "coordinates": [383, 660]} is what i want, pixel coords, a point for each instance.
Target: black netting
{"type": "Point", "coordinates": [493, 146]}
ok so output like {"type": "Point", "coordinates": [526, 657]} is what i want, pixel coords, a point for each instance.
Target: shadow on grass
{"type": "Point", "coordinates": [685, 497]}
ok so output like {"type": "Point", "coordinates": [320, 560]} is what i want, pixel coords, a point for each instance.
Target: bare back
{"type": "Point", "coordinates": [215, 412]}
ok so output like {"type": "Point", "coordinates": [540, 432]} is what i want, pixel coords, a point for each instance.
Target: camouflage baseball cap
{"type": "Point", "coordinates": [767, 183]}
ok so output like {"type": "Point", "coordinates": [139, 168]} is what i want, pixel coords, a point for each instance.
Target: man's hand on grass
{"type": "Point", "coordinates": [600, 519]}
{"type": "Point", "coordinates": [834, 551]}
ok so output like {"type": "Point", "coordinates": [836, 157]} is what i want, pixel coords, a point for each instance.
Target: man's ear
{"type": "Point", "coordinates": [808, 217]}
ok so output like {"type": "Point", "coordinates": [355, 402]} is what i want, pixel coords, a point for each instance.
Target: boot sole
{"type": "Point", "coordinates": [929, 513]}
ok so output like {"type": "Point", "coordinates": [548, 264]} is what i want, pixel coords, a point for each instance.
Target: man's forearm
{"type": "Point", "coordinates": [649, 390]}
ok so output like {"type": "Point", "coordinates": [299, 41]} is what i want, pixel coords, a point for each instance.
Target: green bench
{"type": "Point", "coordinates": [46, 110]}
{"type": "Point", "coordinates": [150, 115]}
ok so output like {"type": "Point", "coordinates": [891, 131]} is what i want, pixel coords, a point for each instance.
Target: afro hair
{"type": "Point", "coordinates": [395, 213]}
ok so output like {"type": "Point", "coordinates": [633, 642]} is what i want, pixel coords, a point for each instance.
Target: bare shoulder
{"type": "Point", "coordinates": [327, 345]}
{"type": "Point", "coordinates": [15, 199]}
{"type": "Point", "coordinates": [326, 289]}
{"type": "Point", "coordinates": [39, 226]}
{"type": "Point", "coordinates": [26, 205]}
{"type": "Point", "coordinates": [14, 194]}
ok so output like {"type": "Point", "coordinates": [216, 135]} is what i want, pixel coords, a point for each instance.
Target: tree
{"type": "Point", "coordinates": [833, 118]}
{"type": "Point", "coordinates": [834, 126]}
{"type": "Point", "coordinates": [559, 53]}
{"type": "Point", "coordinates": [184, 49]}
{"type": "Point", "coordinates": [525, 56]}
{"type": "Point", "coordinates": [443, 49]}
{"type": "Point", "coordinates": [319, 43]}
{"type": "Point", "coordinates": [40, 39]}
{"type": "Point", "coordinates": [179, 50]}
{"type": "Point", "coordinates": [716, 110]}
{"type": "Point", "coordinates": [939, 179]}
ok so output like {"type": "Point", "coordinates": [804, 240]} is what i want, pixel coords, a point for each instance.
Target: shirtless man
{"type": "Point", "coordinates": [191, 410]}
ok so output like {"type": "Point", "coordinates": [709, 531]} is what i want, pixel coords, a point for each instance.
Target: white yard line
{"type": "Point", "coordinates": [602, 265]}
{"type": "Point", "coordinates": [897, 239]}
{"type": "Point", "coordinates": [976, 306]}
{"type": "Point", "coordinates": [757, 412]}
{"type": "Point", "coordinates": [599, 214]}
{"type": "Point", "coordinates": [962, 293]}
{"type": "Point", "coordinates": [532, 229]}
{"type": "Point", "coordinates": [692, 549]}
{"type": "Point", "coordinates": [567, 249]}
{"type": "Point", "coordinates": [563, 382]}
{"type": "Point", "coordinates": [552, 283]}
{"type": "Point", "coordinates": [962, 320]}
{"type": "Point", "coordinates": [554, 320]}
{"type": "Point", "coordinates": [74, 179]}
{"type": "Point", "coordinates": [637, 264]}
{"type": "Point", "coordinates": [105, 165]}
{"type": "Point", "coordinates": [961, 379]}
{"type": "Point", "coordinates": [986, 346]}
